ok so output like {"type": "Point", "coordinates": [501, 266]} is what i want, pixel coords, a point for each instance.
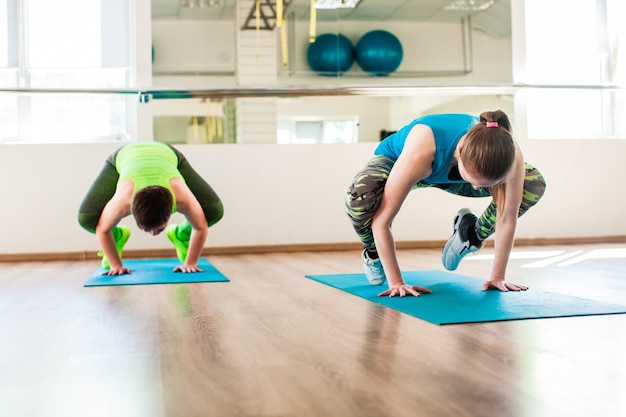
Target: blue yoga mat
{"type": "Point", "coordinates": [156, 271]}
{"type": "Point", "coordinates": [460, 299]}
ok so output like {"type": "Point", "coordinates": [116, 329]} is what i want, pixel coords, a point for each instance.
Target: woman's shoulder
{"type": "Point", "coordinates": [125, 188]}
{"type": "Point", "coordinates": [421, 138]}
{"type": "Point", "coordinates": [179, 186]}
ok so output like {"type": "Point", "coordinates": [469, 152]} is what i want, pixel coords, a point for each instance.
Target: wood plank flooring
{"type": "Point", "coordinates": [273, 343]}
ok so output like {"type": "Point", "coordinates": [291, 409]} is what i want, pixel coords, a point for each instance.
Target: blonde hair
{"type": "Point", "coordinates": [489, 151]}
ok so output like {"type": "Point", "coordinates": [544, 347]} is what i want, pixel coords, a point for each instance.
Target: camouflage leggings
{"type": "Point", "coordinates": [366, 191]}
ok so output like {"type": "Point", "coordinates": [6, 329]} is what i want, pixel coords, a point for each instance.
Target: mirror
{"type": "Point", "coordinates": [442, 45]}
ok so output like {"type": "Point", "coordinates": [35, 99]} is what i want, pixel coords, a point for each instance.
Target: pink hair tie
{"type": "Point", "coordinates": [491, 124]}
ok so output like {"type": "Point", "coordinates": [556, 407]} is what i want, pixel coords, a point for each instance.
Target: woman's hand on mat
{"type": "Point", "coordinates": [405, 289]}
{"type": "Point", "coordinates": [117, 271]}
{"type": "Point", "coordinates": [187, 268]}
{"type": "Point", "coordinates": [498, 284]}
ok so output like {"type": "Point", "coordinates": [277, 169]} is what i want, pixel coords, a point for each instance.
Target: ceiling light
{"type": "Point", "coordinates": [336, 4]}
{"type": "Point", "coordinates": [469, 5]}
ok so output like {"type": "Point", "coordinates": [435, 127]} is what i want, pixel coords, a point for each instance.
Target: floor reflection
{"type": "Point", "coordinates": [559, 258]}
{"type": "Point", "coordinates": [378, 349]}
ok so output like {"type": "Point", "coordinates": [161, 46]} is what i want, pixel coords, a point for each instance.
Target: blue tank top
{"type": "Point", "coordinates": [447, 129]}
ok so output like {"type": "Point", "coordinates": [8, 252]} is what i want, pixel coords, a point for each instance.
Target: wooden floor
{"type": "Point", "coordinates": [273, 343]}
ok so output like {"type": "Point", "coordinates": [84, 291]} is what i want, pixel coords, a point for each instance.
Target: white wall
{"type": "Point", "coordinates": [193, 46]}
{"type": "Point", "coordinates": [293, 194]}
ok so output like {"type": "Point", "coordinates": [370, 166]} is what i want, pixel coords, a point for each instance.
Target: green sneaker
{"type": "Point", "coordinates": [119, 243]}
{"type": "Point", "coordinates": [181, 245]}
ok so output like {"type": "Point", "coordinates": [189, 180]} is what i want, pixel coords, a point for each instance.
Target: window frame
{"type": "Point", "coordinates": [101, 117]}
{"type": "Point", "coordinates": [533, 92]}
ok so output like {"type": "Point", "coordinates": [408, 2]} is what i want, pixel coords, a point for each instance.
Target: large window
{"type": "Point", "coordinates": [310, 130]}
{"type": "Point", "coordinates": [59, 45]}
{"type": "Point", "coordinates": [581, 44]}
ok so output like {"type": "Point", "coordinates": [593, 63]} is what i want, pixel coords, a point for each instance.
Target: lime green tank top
{"type": "Point", "coordinates": [147, 164]}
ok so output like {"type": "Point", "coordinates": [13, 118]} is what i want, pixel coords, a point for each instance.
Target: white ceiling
{"type": "Point", "coordinates": [495, 21]}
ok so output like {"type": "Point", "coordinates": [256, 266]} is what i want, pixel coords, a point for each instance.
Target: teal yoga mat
{"type": "Point", "coordinates": [460, 299]}
{"type": "Point", "coordinates": [156, 271]}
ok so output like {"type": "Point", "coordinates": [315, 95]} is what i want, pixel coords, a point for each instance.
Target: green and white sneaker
{"type": "Point", "coordinates": [119, 243]}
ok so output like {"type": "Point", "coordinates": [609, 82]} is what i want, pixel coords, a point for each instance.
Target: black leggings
{"type": "Point", "coordinates": [105, 184]}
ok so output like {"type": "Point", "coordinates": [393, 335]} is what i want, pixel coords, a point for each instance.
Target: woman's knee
{"type": "Point", "coordinates": [215, 213]}
{"type": "Point", "coordinates": [88, 221]}
{"type": "Point", "coordinates": [535, 184]}
{"type": "Point", "coordinates": [534, 188]}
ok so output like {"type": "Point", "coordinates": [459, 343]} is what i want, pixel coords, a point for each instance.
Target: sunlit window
{"type": "Point", "coordinates": [64, 44]}
{"type": "Point", "coordinates": [316, 130]}
{"type": "Point", "coordinates": [574, 44]}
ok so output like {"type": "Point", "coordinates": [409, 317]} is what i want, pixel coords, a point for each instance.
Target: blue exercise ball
{"type": "Point", "coordinates": [379, 52]}
{"type": "Point", "coordinates": [330, 54]}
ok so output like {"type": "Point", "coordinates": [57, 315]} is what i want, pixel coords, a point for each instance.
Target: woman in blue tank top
{"type": "Point", "coordinates": [463, 155]}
